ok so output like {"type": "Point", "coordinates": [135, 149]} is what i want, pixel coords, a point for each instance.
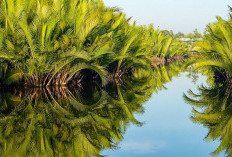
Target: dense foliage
{"type": "Point", "coordinates": [212, 105]}
{"type": "Point", "coordinates": [47, 42]}
{"type": "Point", "coordinates": [215, 51]}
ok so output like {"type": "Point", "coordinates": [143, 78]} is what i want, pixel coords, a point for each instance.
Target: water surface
{"type": "Point", "coordinates": [167, 130]}
{"type": "Point", "coordinates": [145, 118]}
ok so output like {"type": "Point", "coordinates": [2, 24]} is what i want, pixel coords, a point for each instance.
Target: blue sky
{"type": "Point", "coordinates": [177, 15]}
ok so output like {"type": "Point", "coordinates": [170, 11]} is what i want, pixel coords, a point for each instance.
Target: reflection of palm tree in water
{"type": "Point", "coordinates": [70, 121]}
{"type": "Point", "coordinates": [216, 113]}
{"type": "Point", "coordinates": [53, 123]}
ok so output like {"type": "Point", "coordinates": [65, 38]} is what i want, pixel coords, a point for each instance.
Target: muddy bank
{"type": "Point", "coordinates": [161, 61]}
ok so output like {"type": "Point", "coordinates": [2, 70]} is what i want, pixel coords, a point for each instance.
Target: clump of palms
{"type": "Point", "coordinates": [50, 41]}
{"type": "Point", "coordinates": [47, 42]}
{"type": "Point", "coordinates": [215, 49]}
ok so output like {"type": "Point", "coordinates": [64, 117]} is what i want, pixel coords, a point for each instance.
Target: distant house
{"type": "Point", "coordinates": [198, 39]}
{"type": "Point", "coordinates": [185, 39]}
{"type": "Point", "coordinates": [190, 40]}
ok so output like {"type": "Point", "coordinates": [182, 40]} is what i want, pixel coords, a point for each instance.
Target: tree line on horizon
{"type": "Point", "coordinates": [194, 35]}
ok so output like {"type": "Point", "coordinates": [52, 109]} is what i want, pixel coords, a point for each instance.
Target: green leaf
{"type": "Point", "coordinates": [13, 76]}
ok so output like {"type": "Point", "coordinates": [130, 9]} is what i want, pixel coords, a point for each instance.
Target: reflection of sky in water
{"type": "Point", "coordinates": [167, 131]}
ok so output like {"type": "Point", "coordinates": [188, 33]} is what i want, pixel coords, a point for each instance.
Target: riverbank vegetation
{"type": "Point", "coordinates": [98, 67]}
{"type": "Point", "coordinates": [49, 42]}
{"type": "Point", "coordinates": [215, 50]}
{"type": "Point", "coordinates": [212, 104]}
